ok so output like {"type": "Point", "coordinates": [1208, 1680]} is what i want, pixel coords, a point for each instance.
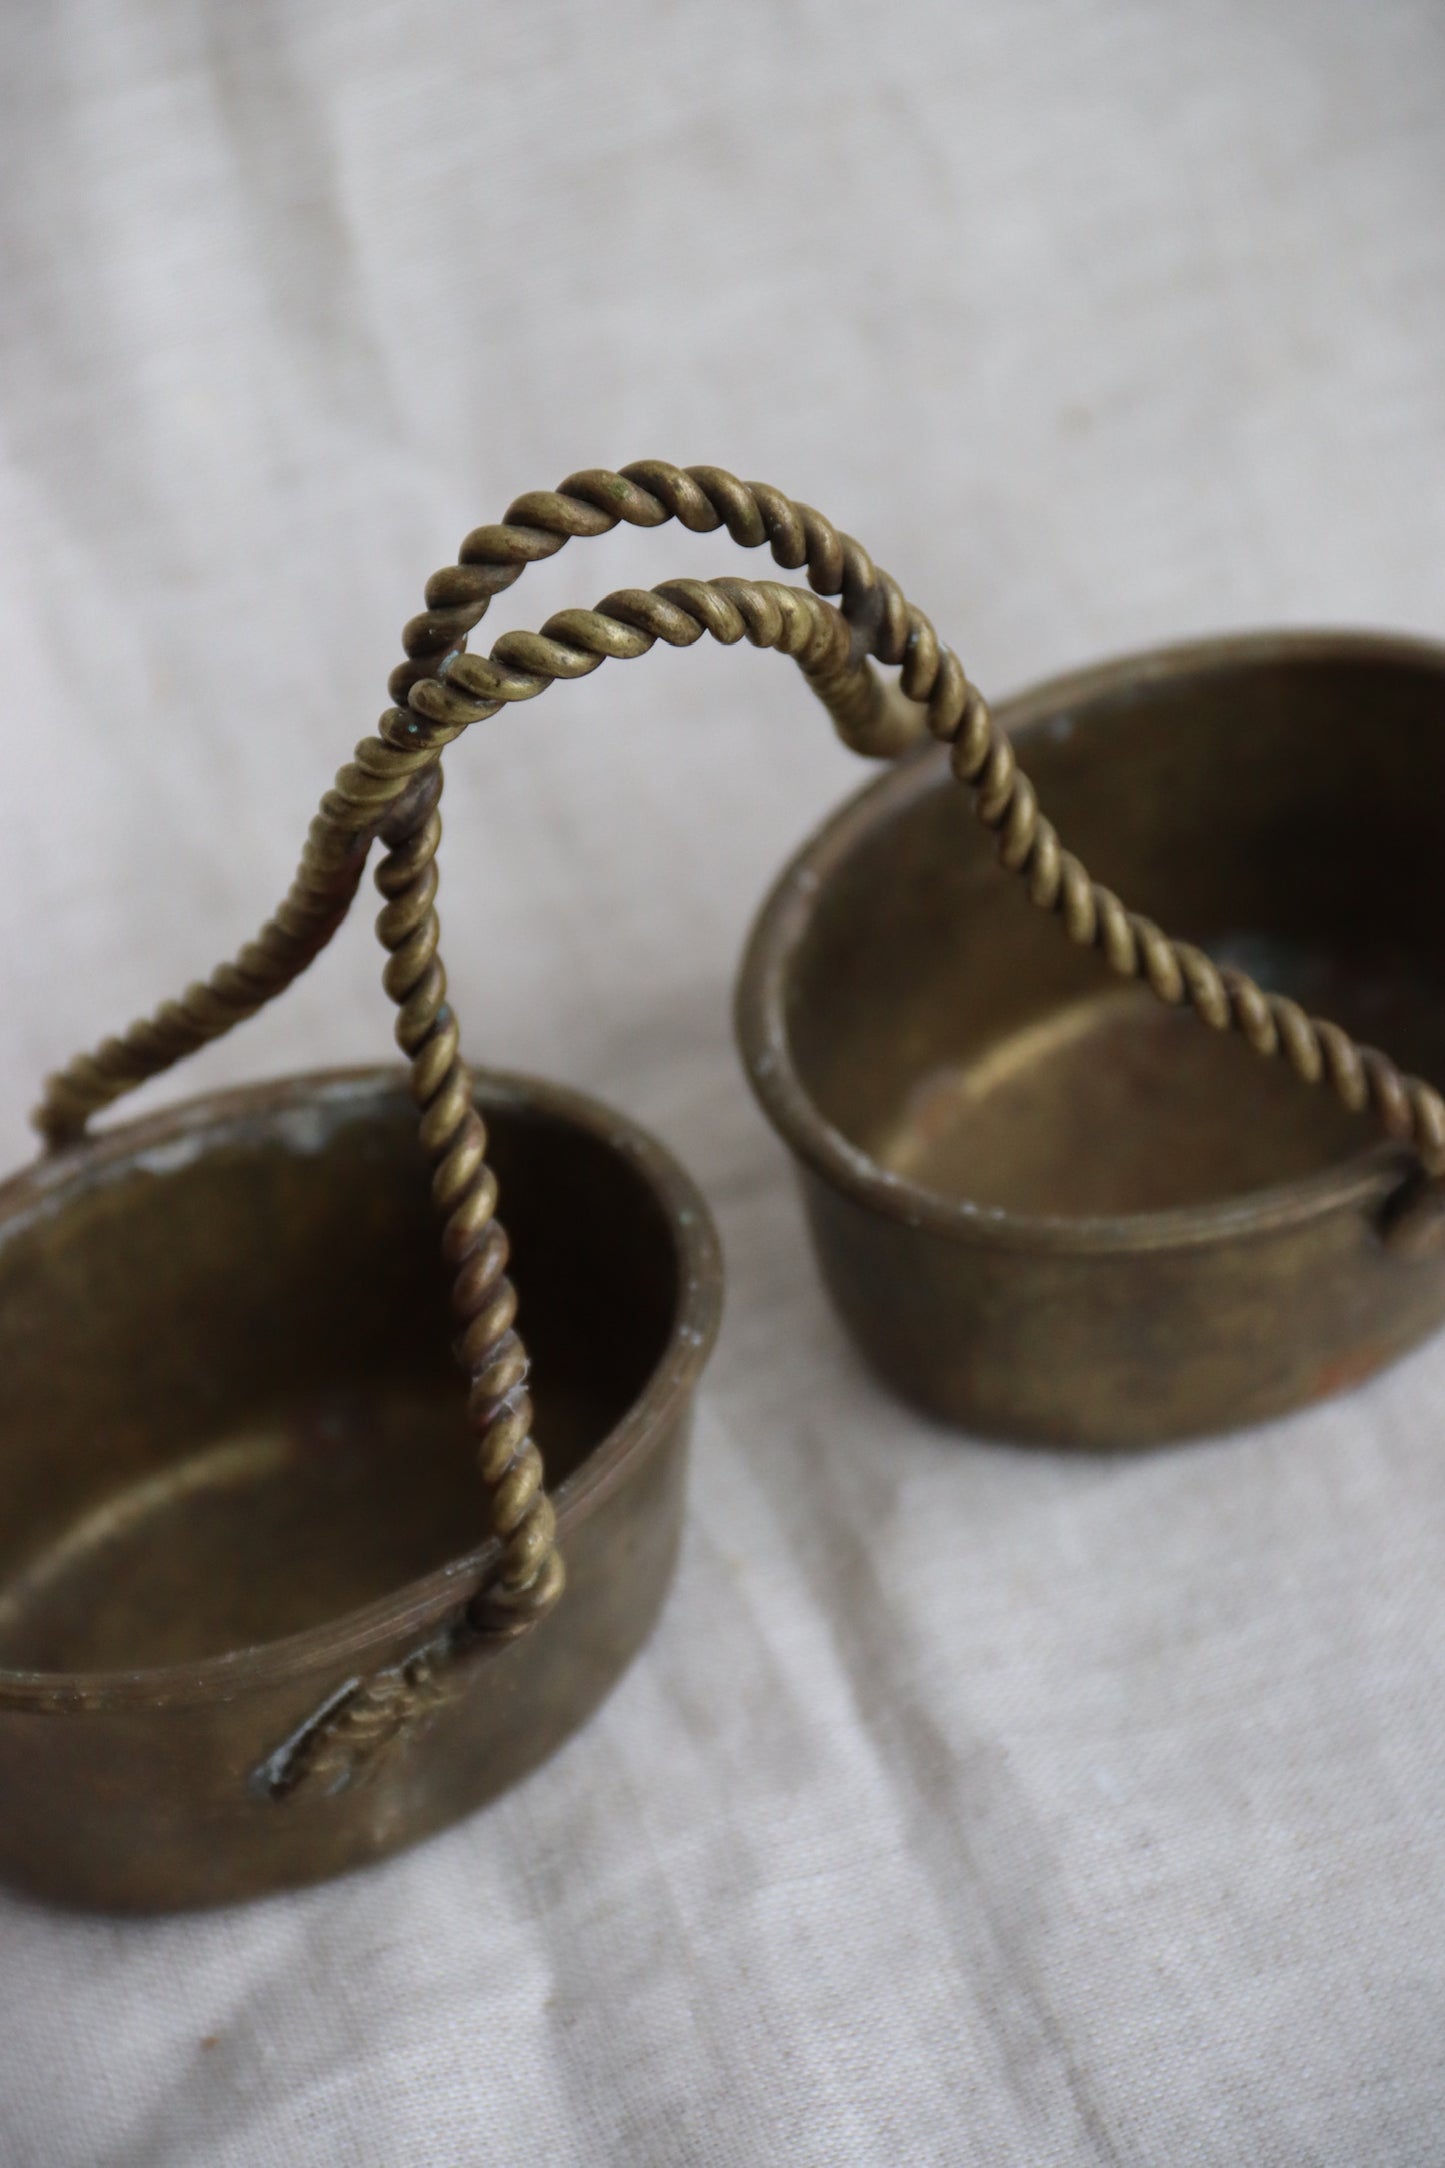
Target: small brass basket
{"type": "Point", "coordinates": [259, 1621]}
{"type": "Point", "coordinates": [1046, 1205]}
{"type": "Point", "coordinates": [241, 1529]}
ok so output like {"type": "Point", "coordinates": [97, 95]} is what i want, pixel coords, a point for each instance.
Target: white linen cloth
{"type": "Point", "coordinates": [970, 1805]}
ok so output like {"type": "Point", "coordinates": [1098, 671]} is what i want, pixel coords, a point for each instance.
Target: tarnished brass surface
{"type": "Point", "coordinates": [1045, 1206]}
{"type": "Point", "coordinates": [235, 1486]}
{"type": "Point", "coordinates": [389, 794]}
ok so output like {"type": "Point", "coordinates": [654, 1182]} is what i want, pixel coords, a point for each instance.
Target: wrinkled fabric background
{"type": "Point", "coordinates": [970, 1805]}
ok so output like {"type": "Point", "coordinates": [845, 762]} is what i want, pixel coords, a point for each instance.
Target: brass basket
{"type": "Point", "coordinates": [1045, 1206]}
{"type": "Point", "coordinates": [240, 1640]}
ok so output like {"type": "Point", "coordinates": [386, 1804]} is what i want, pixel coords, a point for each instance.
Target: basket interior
{"type": "Point", "coordinates": [1286, 814]}
{"type": "Point", "coordinates": [228, 1405]}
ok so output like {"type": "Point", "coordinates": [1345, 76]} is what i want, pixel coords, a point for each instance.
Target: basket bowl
{"type": "Point", "coordinates": [1046, 1206]}
{"type": "Point", "coordinates": [236, 1472]}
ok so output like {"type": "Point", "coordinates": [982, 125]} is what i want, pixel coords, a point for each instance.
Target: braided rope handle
{"type": "Point", "coordinates": [390, 791]}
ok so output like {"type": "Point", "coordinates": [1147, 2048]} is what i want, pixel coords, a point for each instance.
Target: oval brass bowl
{"type": "Point", "coordinates": [1046, 1206]}
{"type": "Point", "coordinates": [236, 1472]}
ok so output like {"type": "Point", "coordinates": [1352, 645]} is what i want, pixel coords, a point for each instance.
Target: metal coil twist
{"type": "Point", "coordinates": [353, 811]}
{"type": "Point", "coordinates": [315, 905]}
{"type": "Point", "coordinates": [474, 1244]}
{"type": "Point", "coordinates": [390, 788]}
{"type": "Point", "coordinates": [880, 622]}
{"type": "Point", "coordinates": [1362, 1078]}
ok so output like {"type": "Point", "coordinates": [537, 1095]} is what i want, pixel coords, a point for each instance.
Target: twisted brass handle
{"type": "Point", "coordinates": [390, 791]}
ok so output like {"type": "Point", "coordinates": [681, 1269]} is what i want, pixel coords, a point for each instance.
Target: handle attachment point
{"type": "Point", "coordinates": [1412, 1224]}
